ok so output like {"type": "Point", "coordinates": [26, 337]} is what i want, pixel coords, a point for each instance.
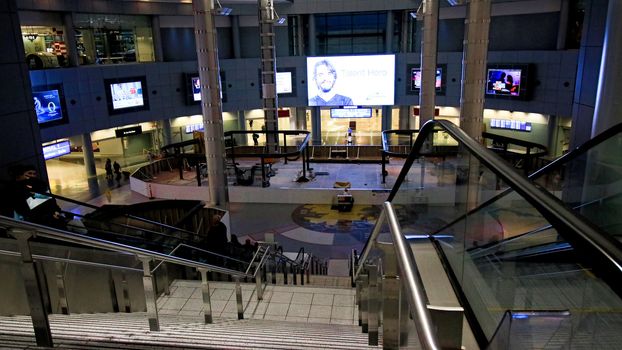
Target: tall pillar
{"type": "Point", "coordinates": [268, 73]}
{"type": "Point", "coordinates": [301, 118]}
{"type": "Point", "coordinates": [242, 126]}
{"type": "Point", "coordinates": [562, 29]}
{"type": "Point", "coordinates": [235, 36]}
{"type": "Point", "coordinates": [608, 104]}
{"type": "Point", "coordinates": [316, 126]}
{"type": "Point", "coordinates": [157, 38]}
{"type": "Point", "coordinates": [387, 117]}
{"type": "Point", "coordinates": [474, 67]}
{"type": "Point", "coordinates": [16, 97]}
{"type": "Point", "coordinates": [429, 41]}
{"type": "Point", "coordinates": [71, 42]}
{"type": "Point", "coordinates": [166, 131]}
{"type": "Point", "coordinates": [89, 156]}
{"type": "Point", "coordinates": [312, 38]}
{"type": "Point", "coordinates": [388, 35]}
{"type": "Point", "coordinates": [404, 117]}
{"type": "Point", "coordinates": [211, 104]}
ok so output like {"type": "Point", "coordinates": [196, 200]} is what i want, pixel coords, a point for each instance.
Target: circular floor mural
{"type": "Point", "coordinates": [356, 224]}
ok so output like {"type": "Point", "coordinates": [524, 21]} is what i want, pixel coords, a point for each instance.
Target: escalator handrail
{"type": "Point", "coordinates": [548, 205]}
{"type": "Point", "coordinates": [138, 218]}
{"type": "Point", "coordinates": [48, 232]}
{"type": "Point", "coordinates": [557, 163]}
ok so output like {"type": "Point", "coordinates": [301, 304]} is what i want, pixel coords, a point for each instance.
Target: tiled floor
{"type": "Point", "coordinates": [280, 302]}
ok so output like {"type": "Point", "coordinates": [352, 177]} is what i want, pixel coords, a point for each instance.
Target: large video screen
{"type": "Point", "coordinates": [126, 94]}
{"type": "Point", "coordinates": [509, 82]}
{"type": "Point", "coordinates": [48, 106]}
{"type": "Point", "coordinates": [351, 80]}
{"type": "Point", "coordinates": [415, 79]}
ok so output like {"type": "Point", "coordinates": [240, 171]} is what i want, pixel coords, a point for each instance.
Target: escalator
{"type": "Point", "coordinates": [535, 263]}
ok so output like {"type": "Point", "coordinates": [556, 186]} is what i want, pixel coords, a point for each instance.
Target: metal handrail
{"type": "Point", "coordinates": [44, 231]}
{"type": "Point", "coordinates": [71, 261]}
{"type": "Point", "coordinates": [199, 249]}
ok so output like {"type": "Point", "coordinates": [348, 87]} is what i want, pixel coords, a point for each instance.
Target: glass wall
{"type": "Point", "coordinates": [106, 39]}
{"type": "Point", "coordinates": [44, 46]}
{"type": "Point", "coordinates": [350, 33]}
{"type": "Point", "coordinates": [363, 131]}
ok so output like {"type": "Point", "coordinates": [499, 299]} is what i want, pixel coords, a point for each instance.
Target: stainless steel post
{"type": "Point", "coordinates": [60, 284]}
{"type": "Point", "coordinates": [34, 290]}
{"type": "Point", "coordinates": [150, 298]}
{"type": "Point", "coordinates": [207, 303]}
{"type": "Point", "coordinates": [258, 285]}
{"type": "Point", "coordinates": [238, 298]}
{"type": "Point", "coordinates": [363, 306]}
{"type": "Point", "coordinates": [372, 308]}
{"type": "Point", "coordinates": [390, 298]}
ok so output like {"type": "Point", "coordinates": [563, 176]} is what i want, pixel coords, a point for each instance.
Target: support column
{"type": "Point", "coordinates": [301, 118]}
{"type": "Point", "coordinates": [166, 131]}
{"type": "Point", "coordinates": [312, 38]}
{"type": "Point", "coordinates": [157, 38]}
{"type": "Point", "coordinates": [429, 41]}
{"type": "Point", "coordinates": [71, 42]}
{"type": "Point", "coordinates": [562, 29]}
{"type": "Point", "coordinates": [268, 73]}
{"type": "Point", "coordinates": [89, 156]}
{"type": "Point", "coordinates": [388, 35]}
{"type": "Point", "coordinates": [211, 104]}
{"type": "Point", "coordinates": [235, 36]}
{"type": "Point", "coordinates": [386, 117]}
{"type": "Point", "coordinates": [404, 117]}
{"type": "Point", "coordinates": [316, 126]}
{"type": "Point", "coordinates": [608, 104]}
{"type": "Point", "coordinates": [474, 67]}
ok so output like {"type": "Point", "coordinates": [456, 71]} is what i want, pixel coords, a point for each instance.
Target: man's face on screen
{"type": "Point", "coordinates": [324, 78]}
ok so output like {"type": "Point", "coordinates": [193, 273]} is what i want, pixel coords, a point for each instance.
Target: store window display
{"type": "Point", "coordinates": [113, 39]}
{"type": "Point", "coordinates": [44, 46]}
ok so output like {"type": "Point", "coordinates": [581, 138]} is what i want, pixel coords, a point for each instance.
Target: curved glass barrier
{"type": "Point", "coordinates": [509, 246]}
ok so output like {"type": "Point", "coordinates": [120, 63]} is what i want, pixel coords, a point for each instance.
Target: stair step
{"type": "Point", "coordinates": [130, 331]}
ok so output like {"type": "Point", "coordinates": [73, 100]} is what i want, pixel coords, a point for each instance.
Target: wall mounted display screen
{"type": "Point", "coordinates": [126, 95]}
{"type": "Point", "coordinates": [415, 78]}
{"type": "Point", "coordinates": [49, 105]}
{"type": "Point", "coordinates": [284, 82]}
{"type": "Point", "coordinates": [351, 80]}
{"type": "Point", "coordinates": [285, 79]}
{"type": "Point", "coordinates": [507, 81]}
{"type": "Point", "coordinates": [196, 89]}
{"type": "Point", "coordinates": [350, 112]}
{"type": "Point", "coordinates": [510, 124]}
{"type": "Point", "coordinates": [194, 127]}
{"type": "Point", "coordinates": [193, 83]}
{"type": "Point", "coordinates": [56, 149]}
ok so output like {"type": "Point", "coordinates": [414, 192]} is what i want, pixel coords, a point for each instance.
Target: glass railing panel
{"type": "Point", "coordinates": [502, 251]}
{"type": "Point", "coordinates": [592, 184]}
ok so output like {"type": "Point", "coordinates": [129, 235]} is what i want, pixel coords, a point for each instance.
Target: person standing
{"type": "Point", "coordinates": [117, 170]}
{"type": "Point", "coordinates": [108, 168]}
{"type": "Point", "coordinates": [216, 241]}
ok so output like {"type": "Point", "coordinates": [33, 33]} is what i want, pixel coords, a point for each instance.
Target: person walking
{"type": "Point", "coordinates": [117, 170]}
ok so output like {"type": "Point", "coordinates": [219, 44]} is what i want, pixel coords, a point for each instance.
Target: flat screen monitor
{"type": "Point", "coordinates": [194, 89]}
{"type": "Point", "coordinates": [508, 81]}
{"type": "Point", "coordinates": [351, 80]}
{"type": "Point", "coordinates": [126, 95]}
{"type": "Point", "coordinates": [350, 112]}
{"type": "Point", "coordinates": [284, 82]}
{"type": "Point", "coordinates": [56, 149]}
{"type": "Point", "coordinates": [49, 105]}
{"type": "Point", "coordinates": [415, 79]}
